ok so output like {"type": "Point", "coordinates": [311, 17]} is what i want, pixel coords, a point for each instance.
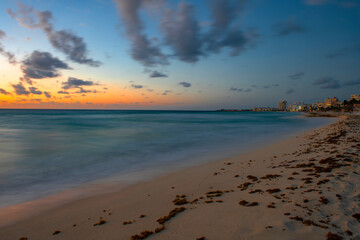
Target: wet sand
{"type": "Point", "coordinates": [305, 187]}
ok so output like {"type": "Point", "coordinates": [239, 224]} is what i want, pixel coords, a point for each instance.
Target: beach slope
{"type": "Point", "coordinates": [305, 187]}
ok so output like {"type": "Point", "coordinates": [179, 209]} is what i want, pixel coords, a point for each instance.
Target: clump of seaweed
{"type": "Point", "coordinates": [270, 176]}
{"type": "Point", "coordinates": [248, 204]}
{"type": "Point", "coordinates": [274, 190]}
{"type": "Point", "coordinates": [322, 181]}
{"type": "Point", "coordinates": [180, 200]}
{"type": "Point", "coordinates": [244, 186]}
{"type": "Point", "coordinates": [256, 191]}
{"type": "Point", "coordinates": [101, 222]}
{"type": "Point", "coordinates": [142, 235]}
{"type": "Point", "coordinates": [356, 216]}
{"type": "Point", "coordinates": [253, 178]}
{"type": "Point", "coordinates": [171, 214]}
{"type": "Point", "coordinates": [324, 200]}
{"type": "Point", "coordinates": [333, 236]}
{"type": "Point", "coordinates": [216, 193]}
{"type": "Point", "coordinates": [56, 232]}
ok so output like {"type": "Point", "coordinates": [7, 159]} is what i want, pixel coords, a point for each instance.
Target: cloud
{"type": "Point", "coordinates": [65, 41]}
{"type": "Point", "coordinates": [288, 27]}
{"type": "Point", "coordinates": [42, 65]}
{"type": "Point", "coordinates": [185, 84]}
{"type": "Point", "coordinates": [342, 3]}
{"type": "Point", "coordinates": [82, 90]}
{"type": "Point", "coordinates": [182, 33]}
{"type": "Point", "coordinates": [297, 75]}
{"type": "Point", "coordinates": [224, 31]}
{"type": "Point", "coordinates": [315, 2]}
{"type": "Point", "coordinates": [352, 82]}
{"type": "Point", "coordinates": [136, 86]}
{"type": "Point", "coordinates": [156, 74]}
{"type": "Point", "coordinates": [345, 51]}
{"type": "Point", "coordinates": [63, 92]}
{"type": "Point", "coordinates": [4, 92]}
{"type": "Point", "coordinates": [290, 91]}
{"type": "Point", "coordinates": [270, 86]}
{"type": "Point", "coordinates": [47, 94]}
{"type": "Point", "coordinates": [236, 89]}
{"type": "Point", "coordinates": [248, 90]}
{"type": "Point", "coordinates": [166, 92]}
{"type": "Point", "coordinates": [142, 48]}
{"type": "Point", "coordinates": [327, 83]}
{"type": "Point", "coordinates": [35, 91]}
{"type": "Point", "coordinates": [20, 89]}
{"type": "Point", "coordinates": [10, 56]}
{"type": "Point", "coordinates": [76, 83]}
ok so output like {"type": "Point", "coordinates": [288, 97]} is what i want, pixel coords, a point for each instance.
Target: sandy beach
{"type": "Point", "coordinates": [304, 187]}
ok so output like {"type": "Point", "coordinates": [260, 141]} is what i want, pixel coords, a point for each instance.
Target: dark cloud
{"type": "Point", "coordinates": [236, 89]}
{"type": "Point", "coordinates": [73, 46]}
{"type": "Point", "coordinates": [316, 2]}
{"type": "Point", "coordinates": [185, 84]}
{"type": "Point", "coordinates": [166, 92]}
{"type": "Point", "coordinates": [297, 75]}
{"type": "Point", "coordinates": [248, 90]}
{"type": "Point", "coordinates": [62, 92]}
{"type": "Point", "coordinates": [288, 27]}
{"type": "Point", "coordinates": [352, 82]}
{"type": "Point", "coordinates": [327, 83]}
{"type": "Point", "coordinates": [142, 48]}
{"type": "Point", "coordinates": [47, 94]}
{"type": "Point", "coordinates": [82, 90]}
{"type": "Point", "coordinates": [20, 89]}
{"type": "Point", "coordinates": [35, 91]}
{"type": "Point", "coordinates": [10, 56]}
{"type": "Point", "coordinates": [345, 51]}
{"type": "Point", "coordinates": [77, 83]}
{"type": "Point", "coordinates": [342, 3]}
{"type": "Point", "coordinates": [181, 31]}
{"type": "Point", "coordinates": [4, 92]}
{"type": "Point", "coordinates": [290, 91]}
{"type": "Point", "coordinates": [156, 74]}
{"type": "Point", "coordinates": [270, 86]}
{"type": "Point", "coordinates": [136, 86]}
{"type": "Point", "coordinates": [224, 32]}
{"type": "Point", "coordinates": [64, 41]}
{"type": "Point", "coordinates": [42, 65]}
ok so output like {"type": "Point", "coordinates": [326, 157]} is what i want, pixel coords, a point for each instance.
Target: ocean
{"type": "Point", "coordinates": [44, 152]}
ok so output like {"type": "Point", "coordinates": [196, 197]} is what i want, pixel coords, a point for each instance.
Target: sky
{"type": "Point", "coordinates": [177, 54]}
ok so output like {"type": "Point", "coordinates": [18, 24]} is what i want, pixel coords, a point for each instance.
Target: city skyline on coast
{"type": "Point", "coordinates": [155, 54]}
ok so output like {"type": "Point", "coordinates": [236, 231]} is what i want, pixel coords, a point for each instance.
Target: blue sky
{"type": "Point", "coordinates": [299, 50]}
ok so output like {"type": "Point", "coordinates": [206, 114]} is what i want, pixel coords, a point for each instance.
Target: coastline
{"type": "Point", "coordinates": [154, 199]}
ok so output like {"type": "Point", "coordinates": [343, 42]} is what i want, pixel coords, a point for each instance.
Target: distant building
{"type": "Point", "coordinates": [320, 105]}
{"type": "Point", "coordinates": [282, 105]}
{"type": "Point", "coordinates": [357, 107]}
{"type": "Point", "coordinates": [264, 109]}
{"type": "Point", "coordinates": [297, 107]}
{"type": "Point", "coordinates": [355, 97]}
{"type": "Point", "coordinates": [332, 102]}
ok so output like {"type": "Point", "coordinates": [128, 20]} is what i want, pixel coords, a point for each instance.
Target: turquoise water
{"type": "Point", "coordinates": [43, 152]}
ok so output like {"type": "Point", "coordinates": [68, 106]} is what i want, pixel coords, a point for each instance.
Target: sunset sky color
{"type": "Point", "coordinates": [158, 54]}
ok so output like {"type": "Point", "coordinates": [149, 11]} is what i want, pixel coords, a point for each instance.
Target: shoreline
{"type": "Point", "coordinates": [144, 199]}
{"type": "Point", "coordinates": [115, 183]}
